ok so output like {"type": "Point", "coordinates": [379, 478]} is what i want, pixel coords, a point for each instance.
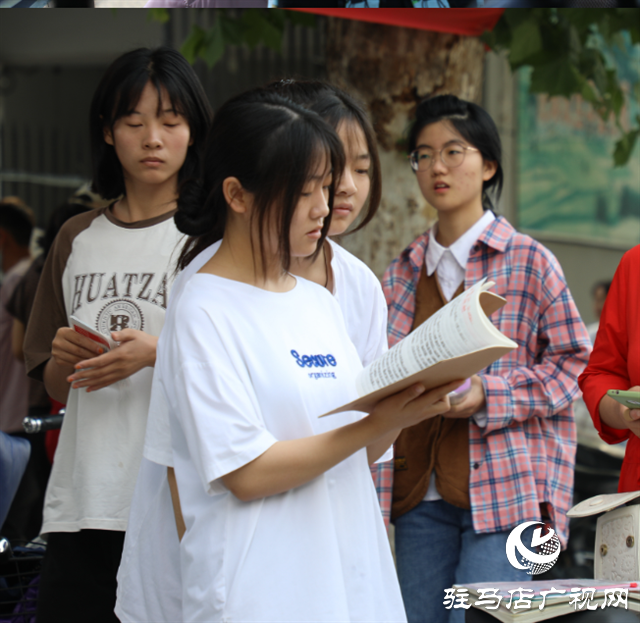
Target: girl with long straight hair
{"type": "Point", "coordinates": [278, 504]}
{"type": "Point", "coordinates": [351, 281]}
{"type": "Point", "coordinates": [361, 300]}
{"type": "Point", "coordinates": [112, 268]}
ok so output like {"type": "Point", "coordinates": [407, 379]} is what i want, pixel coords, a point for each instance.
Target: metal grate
{"type": "Point", "coordinates": [19, 576]}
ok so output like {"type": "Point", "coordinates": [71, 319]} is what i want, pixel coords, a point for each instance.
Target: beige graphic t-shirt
{"type": "Point", "coordinates": [112, 276]}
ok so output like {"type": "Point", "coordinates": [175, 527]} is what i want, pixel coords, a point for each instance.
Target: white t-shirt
{"type": "Point", "coordinates": [242, 368]}
{"type": "Point", "coordinates": [113, 276]}
{"type": "Point", "coordinates": [151, 547]}
{"type": "Point", "coordinates": [361, 299]}
{"type": "Point", "coordinates": [363, 306]}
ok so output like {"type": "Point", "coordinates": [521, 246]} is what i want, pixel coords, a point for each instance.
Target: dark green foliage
{"type": "Point", "coordinates": [250, 27]}
{"type": "Point", "coordinates": [564, 48]}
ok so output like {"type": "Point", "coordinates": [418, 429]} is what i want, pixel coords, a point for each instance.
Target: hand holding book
{"type": "Point", "coordinates": [457, 342]}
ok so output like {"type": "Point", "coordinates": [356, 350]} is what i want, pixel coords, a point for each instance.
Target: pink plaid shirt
{"type": "Point", "coordinates": [526, 453]}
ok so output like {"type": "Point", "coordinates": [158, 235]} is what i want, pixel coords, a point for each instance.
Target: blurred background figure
{"type": "Point", "coordinates": [599, 293]}
{"type": "Point", "coordinates": [19, 306]}
{"type": "Point", "coordinates": [16, 226]}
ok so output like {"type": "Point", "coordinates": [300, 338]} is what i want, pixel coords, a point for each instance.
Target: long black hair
{"type": "Point", "coordinates": [474, 124]}
{"type": "Point", "coordinates": [336, 106]}
{"type": "Point", "coordinates": [117, 96]}
{"type": "Point", "coordinates": [273, 147]}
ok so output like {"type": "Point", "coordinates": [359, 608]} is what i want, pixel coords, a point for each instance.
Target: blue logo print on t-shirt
{"type": "Point", "coordinates": [316, 361]}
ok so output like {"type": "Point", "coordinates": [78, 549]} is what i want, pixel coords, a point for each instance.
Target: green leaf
{"type": "Point", "coordinates": [614, 94]}
{"type": "Point", "coordinates": [575, 44]}
{"type": "Point", "coordinates": [232, 30]}
{"type": "Point", "coordinates": [252, 27]}
{"type": "Point", "coordinates": [213, 44]}
{"type": "Point", "coordinates": [158, 15]}
{"type": "Point", "coordinates": [619, 41]}
{"type": "Point", "coordinates": [500, 37]}
{"type": "Point", "coordinates": [272, 36]}
{"type": "Point", "coordinates": [193, 43]}
{"type": "Point", "coordinates": [624, 148]}
{"type": "Point", "coordinates": [599, 73]}
{"type": "Point", "coordinates": [276, 17]}
{"type": "Point", "coordinates": [526, 42]}
{"type": "Point", "coordinates": [636, 91]}
{"type": "Point", "coordinates": [558, 78]}
{"type": "Point", "coordinates": [298, 18]}
{"type": "Point", "coordinates": [489, 38]}
{"type": "Point", "coordinates": [588, 93]}
{"type": "Point", "coordinates": [515, 17]}
{"type": "Point", "coordinates": [583, 19]}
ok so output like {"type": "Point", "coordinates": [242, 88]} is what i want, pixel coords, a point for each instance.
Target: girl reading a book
{"type": "Point", "coordinates": [112, 268]}
{"type": "Point", "coordinates": [505, 453]}
{"type": "Point", "coordinates": [352, 282]}
{"type": "Point", "coordinates": [291, 492]}
{"type": "Point", "coordinates": [359, 295]}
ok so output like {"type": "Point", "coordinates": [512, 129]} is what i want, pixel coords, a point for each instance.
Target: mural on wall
{"type": "Point", "coordinates": [568, 186]}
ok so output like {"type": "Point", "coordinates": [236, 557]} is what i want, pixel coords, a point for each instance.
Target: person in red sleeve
{"type": "Point", "coordinates": [615, 364]}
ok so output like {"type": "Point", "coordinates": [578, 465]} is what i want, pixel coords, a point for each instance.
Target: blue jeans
{"type": "Point", "coordinates": [436, 547]}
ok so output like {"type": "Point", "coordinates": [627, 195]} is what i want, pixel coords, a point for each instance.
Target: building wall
{"type": "Point", "coordinates": [583, 264]}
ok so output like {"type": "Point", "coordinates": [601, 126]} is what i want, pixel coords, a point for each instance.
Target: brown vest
{"type": "Point", "coordinates": [440, 444]}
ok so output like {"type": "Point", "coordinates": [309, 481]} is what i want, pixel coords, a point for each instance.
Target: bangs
{"type": "Point", "coordinates": [298, 152]}
{"type": "Point", "coordinates": [319, 164]}
{"type": "Point", "coordinates": [339, 109]}
{"type": "Point", "coordinates": [118, 95]}
{"type": "Point", "coordinates": [128, 96]}
{"type": "Point", "coordinates": [356, 137]}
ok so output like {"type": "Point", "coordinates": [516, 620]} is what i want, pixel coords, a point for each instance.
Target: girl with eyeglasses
{"type": "Point", "coordinates": [504, 453]}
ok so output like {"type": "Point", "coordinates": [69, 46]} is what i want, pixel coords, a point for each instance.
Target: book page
{"type": "Point", "coordinates": [84, 329]}
{"type": "Point", "coordinates": [459, 328]}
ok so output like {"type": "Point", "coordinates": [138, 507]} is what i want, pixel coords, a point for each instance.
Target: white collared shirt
{"type": "Point", "coordinates": [451, 262]}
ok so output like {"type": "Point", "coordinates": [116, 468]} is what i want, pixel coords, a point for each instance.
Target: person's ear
{"type": "Point", "coordinates": [235, 195]}
{"type": "Point", "coordinates": [489, 170]}
{"type": "Point", "coordinates": [108, 135]}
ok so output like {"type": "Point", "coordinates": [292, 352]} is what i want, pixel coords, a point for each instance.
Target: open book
{"type": "Point", "coordinates": [455, 343]}
{"type": "Point", "coordinates": [540, 600]}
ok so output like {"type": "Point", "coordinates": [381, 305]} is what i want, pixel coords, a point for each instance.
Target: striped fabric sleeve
{"type": "Point", "coordinates": [382, 474]}
{"type": "Point", "coordinates": [549, 385]}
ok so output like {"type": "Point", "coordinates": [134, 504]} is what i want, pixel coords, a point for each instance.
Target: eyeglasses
{"type": "Point", "coordinates": [451, 156]}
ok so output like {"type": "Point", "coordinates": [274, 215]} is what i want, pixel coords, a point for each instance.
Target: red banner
{"type": "Point", "coordinates": [472, 22]}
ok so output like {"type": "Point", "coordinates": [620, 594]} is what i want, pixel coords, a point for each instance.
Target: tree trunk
{"type": "Point", "coordinates": [391, 69]}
